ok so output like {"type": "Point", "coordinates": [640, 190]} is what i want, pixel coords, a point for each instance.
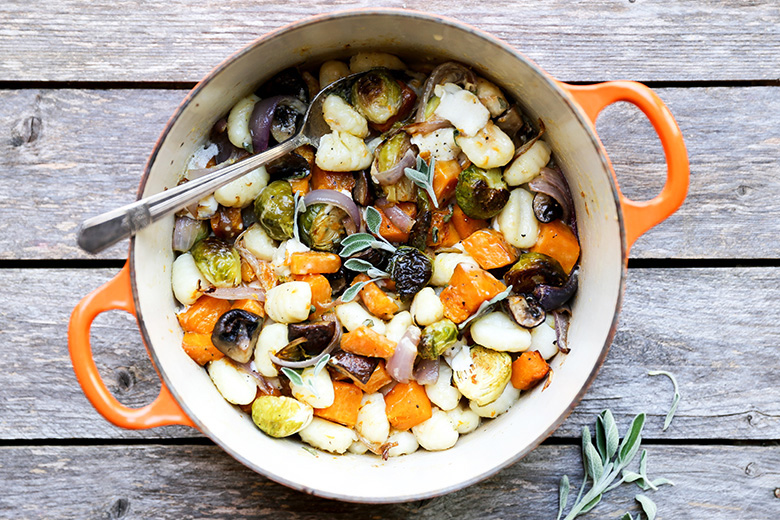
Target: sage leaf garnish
{"type": "Point", "coordinates": [296, 378]}
{"type": "Point", "coordinates": [422, 176]}
{"type": "Point", "coordinates": [352, 291]}
{"type": "Point", "coordinates": [293, 376]}
{"type": "Point", "coordinates": [373, 220]}
{"type": "Point", "coordinates": [360, 241]}
{"type": "Point", "coordinates": [320, 364]}
{"type": "Point", "coordinates": [356, 264]}
{"type": "Point", "coordinates": [675, 399]}
{"type": "Point", "coordinates": [563, 495]}
{"type": "Point", "coordinates": [641, 479]}
{"type": "Point", "coordinates": [627, 516]}
{"type": "Point", "coordinates": [648, 506]}
{"type": "Point", "coordinates": [486, 306]}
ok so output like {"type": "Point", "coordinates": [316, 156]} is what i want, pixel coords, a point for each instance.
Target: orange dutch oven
{"type": "Point", "coordinates": [608, 223]}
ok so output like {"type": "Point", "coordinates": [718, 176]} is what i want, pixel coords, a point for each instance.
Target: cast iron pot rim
{"type": "Point", "coordinates": [491, 40]}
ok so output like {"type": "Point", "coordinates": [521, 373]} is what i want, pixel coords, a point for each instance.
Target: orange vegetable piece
{"type": "Point", "coordinates": [203, 314]}
{"type": "Point", "coordinates": [366, 342]}
{"type": "Point", "coordinates": [445, 234]}
{"type": "Point", "coordinates": [346, 405]}
{"type": "Point", "coordinates": [389, 231]}
{"type": "Point", "coordinates": [528, 370]}
{"type": "Point", "coordinates": [300, 186]}
{"type": "Point", "coordinates": [489, 249]}
{"type": "Point", "coordinates": [464, 224]}
{"type": "Point", "coordinates": [375, 299]}
{"type": "Point", "coordinates": [325, 180]}
{"type": "Point", "coordinates": [445, 179]}
{"type": "Point", "coordinates": [407, 405]}
{"type": "Point", "coordinates": [379, 378]}
{"type": "Point", "coordinates": [253, 306]}
{"type": "Point", "coordinates": [200, 348]}
{"type": "Point", "coordinates": [321, 292]}
{"type": "Point", "coordinates": [314, 262]}
{"type": "Point", "coordinates": [558, 241]}
{"type": "Point", "coordinates": [469, 287]}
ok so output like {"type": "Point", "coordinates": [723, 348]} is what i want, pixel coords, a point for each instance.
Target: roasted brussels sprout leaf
{"type": "Point", "coordinates": [317, 335]}
{"type": "Point", "coordinates": [219, 263]}
{"type": "Point", "coordinates": [487, 376]}
{"type": "Point", "coordinates": [275, 210]}
{"type": "Point", "coordinates": [532, 269]}
{"type": "Point", "coordinates": [436, 338]}
{"type": "Point", "coordinates": [377, 95]}
{"type": "Point", "coordinates": [235, 334]}
{"type": "Point", "coordinates": [481, 194]}
{"type": "Point", "coordinates": [322, 227]}
{"type": "Point", "coordinates": [280, 416]}
{"type": "Point", "coordinates": [411, 270]}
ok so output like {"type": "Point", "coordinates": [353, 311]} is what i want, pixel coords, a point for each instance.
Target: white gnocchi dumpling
{"type": "Point", "coordinates": [352, 315]}
{"type": "Point", "coordinates": [499, 332]}
{"type": "Point", "coordinates": [271, 340]}
{"type": "Point", "coordinates": [358, 448]}
{"type": "Point", "coordinates": [364, 61]}
{"type": "Point", "coordinates": [499, 406]}
{"type": "Point", "coordinates": [402, 443]}
{"type": "Point", "coordinates": [437, 433]}
{"type": "Point", "coordinates": [489, 148]}
{"type": "Point", "coordinates": [242, 192]}
{"type": "Point", "coordinates": [461, 108]}
{"type": "Point", "coordinates": [544, 339]}
{"type": "Point", "coordinates": [289, 302]}
{"type": "Point", "coordinates": [517, 220]}
{"type": "Point", "coordinates": [332, 71]}
{"type": "Point", "coordinates": [397, 326]}
{"type": "Point", "coordinates": [444, 265]}
{"type": "Point", "coordinates": [317, 389]}
{"type": "Point", "coordinates": [528, 165]}
{"type": "Point", "coordinates": [187, 281]}
{"type": "Point", "coordinates": [443, 393]}
{"type": "Point", "coordinates": [207, 207]}
{"type": "Point", "coordinates": [427, 307]}
{"type": "Point", "coordinates": [257, 242]}
{"type": "Point", "coordinates": [236, 387]}
{"type": "Point", "coordinates": [238, 122]}
{"type": "Point", "coordinates": [372, 423]}
{"type": "Point", "coordinates": [342, 152]}
{"type": "Point", "coordinates": [439, 144]}
{"type": "Point", "coordinates": [281, 257]}
{"type": "Point", "coordinates": [492, 97]}
{"type": "Point", "coordinates": [341, 117]}
{"type": "Point", "coordinates": [328, 436]}
{"type": "Point", "coordinates": [464, 419]}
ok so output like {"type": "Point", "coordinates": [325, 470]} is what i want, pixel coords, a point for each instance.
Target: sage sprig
{"type": "Point", "coordinates": [360, 241]}
{"type": "Point", "coordinates": [641, 479]}
{"type": "Point", "coordinates": [675, 399]}
{"type": "Point", "coordinates": [296, 377]}
{"type": "Point", "coordinates": [486, 307]}
{"type": "Point", "coordinates": [361, 266]}
{"type": "Point", "coordinates": [422, 176]}
{"type": "Point", "coordinates": [648, 507]}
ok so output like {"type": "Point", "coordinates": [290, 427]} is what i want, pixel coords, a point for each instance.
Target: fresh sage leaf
{"type": "Point", "coordinates": [352, 291]}
{"type": "Point", "coordinates": [631, 476]}
{"type": "Point", "coordinates": [563, 495]}
{"type": "Point", "coordinates": [661, 481]}
{"type": "Point", "coordinates": [631, 441]}
{"type": "Point", "coordinates": [354, 247]}
{"type": "Point", "coordinates": [675, 399]}
{"type": "Point", "coordinates": [358, 237]}
{"type": "Point", "coordinates": [377, 273]}
{"type": "Point", "coordinates": [373, 219]}
{"type": "Point", "coordinates": [611, 431]}
{"type": "Point", "coordinates": [601, 438]}
{"type": "Point", "coordinates": [356, 264]}
{"type": "Point", "coordinates": [627, 516]}
{"type": "Point", "coordinates": [590, 505]}
{"type": "Point", "coordinates": [293, 376]}
{"type": "Point", "coordinates": [422, 176]}
{"type": "Point", "coordinates": [321, 363]}
{"type": "Point", "coordinates": [594, 462]}
{"type": "Point", "coordinates": [648, 506]}
{"type": "Point", "coordinates": [486, 306]}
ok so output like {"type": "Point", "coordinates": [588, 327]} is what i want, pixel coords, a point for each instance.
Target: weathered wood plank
{"type": "Point", "coordinates": [596, 40]}
{"type": "Point", "coordinates": [716, 329]}
{"type": "Point", "coordinates": [711, 483]}
{"type": "Point", "coordinates": [64, 144]}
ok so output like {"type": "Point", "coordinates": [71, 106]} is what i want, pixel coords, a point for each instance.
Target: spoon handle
{"type": "Point", "coordinates": [102, 231]}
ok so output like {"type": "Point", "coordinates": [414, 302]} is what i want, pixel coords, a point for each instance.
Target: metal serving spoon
{"type": "Point", "coordinates": [102, 231]}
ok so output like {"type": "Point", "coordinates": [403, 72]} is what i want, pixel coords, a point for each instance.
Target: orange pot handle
{"type": "Point", "coordinates": [641, 216]}
{"type": "Point", "coordinates": [114, 295]}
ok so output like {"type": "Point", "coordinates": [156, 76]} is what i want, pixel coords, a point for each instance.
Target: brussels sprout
{"type": "Point", "coordinates": [436, 338]}
{"type": "Point", "coordinates": [322, 227]}
{"type": "Point", "coordinates": [219, 263]}
{"type": "Point", "coordinates": [391, 151]}
{"type": "Point", "coordinates": [235, 334]}
{"type": "Point", "coordinates": [481, 194]}
{"type": "Point", "coordinates": [280, 416]}
{"type": "Point", "coordinates": [487, 376]}
{"type": "Point", "coordinates": [411, 270]}
{"type": "Point", "coordinates": [532, 269]}
{"type": "Point", "coordinates": [275, 208]}
{"type": "Point", "coordinates": [377, 95]}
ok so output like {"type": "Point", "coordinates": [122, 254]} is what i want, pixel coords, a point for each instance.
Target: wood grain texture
{"type": "Point", "coordinates": [180, 482]}
{"type": "Point", "coordinates": [181, 40]}
{"type": "Point", "coordinates": [716, 329]}
{"type": "Point", "coordinates": [60, 144]}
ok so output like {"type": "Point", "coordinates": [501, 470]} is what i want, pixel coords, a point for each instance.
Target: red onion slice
{"type": "Point", "coordinates": [260, 122]}
{"type": "Point", "coordinates": [242, 292]}
{"type": "Point", "coordinates": [337, 199]}
{"type": "Point", "coordinates": [562, 317]}
{"type": "Point", "coordinates": [334, 342]}
{"type": "Point", "coordinates": [447, 72]}
{"type": "Point", "coordinates": [401, 363]}
{"type": "Point", "coordinates": [396, 215]}
{"type": "Point", "coordinates": [427, 371]}
{"type": "Point", "coordinates": [186, 231]}
{"type": "Point", "coordinates": [553, 183]}
{"type": "Point", "coordinates": [396, 173]}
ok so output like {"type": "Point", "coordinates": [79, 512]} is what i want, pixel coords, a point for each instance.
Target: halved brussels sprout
{"type": "Point", "coordinates": [322, 227]}
{"type": "Point", "coordinates": [481, 194]}
{"type": "Point", "coordinates": [280, 416]}
{"type": "Point", "coordinates": [436, 338]}
{"type": "Point", "coordinates": [219, 263]}
{"type": "Point", "coordinates": [377, 95]}
{"type": "Point", "coordinates": [411, 270]}
{"type": "Point", "coordinates": [532, 269]}
{"type": "Point", "coordinates": [391, 151]}
{"type": "Point", "coordinates": [487, 376]}
{"type": "Point", "coordinates": [275, 208]}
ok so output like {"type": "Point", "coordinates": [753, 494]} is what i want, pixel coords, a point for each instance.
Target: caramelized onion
{"type": "Point", "coordinates": [401, 363]}
{"type": "Point", "coordinates": [396, 215]}
{"type": "Point", "coordinates": [337, 199]}
{"type": "Point", "coordinates": [242, 292]}
{"type": "Point", "coordinates": [553, 183]}
{"type": "Point", "coordinates": [396, 173]}
{"type": "Point", "coordinates": [427, 371]}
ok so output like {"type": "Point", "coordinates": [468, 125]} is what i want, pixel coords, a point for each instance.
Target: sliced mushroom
{"type": "Point", "coordinates": [355, 366]}
{"type": "Point", "coordinates": [317, 335]}
{"type": "Point", "coordinates": [235, 334]}
{"type": "Point", "coordinates": [525, 310]}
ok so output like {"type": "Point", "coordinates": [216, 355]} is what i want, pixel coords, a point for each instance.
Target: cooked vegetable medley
{"type": "Point", "coordinates": [394, 287]}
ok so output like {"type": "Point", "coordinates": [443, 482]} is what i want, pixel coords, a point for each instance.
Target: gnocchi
{"type": "Point", "coordinates": [499, 332]}
{"type": "Point", "coordinates": [528, 165]}
{"type": "Point", "coordinates": [238, 123]}
{"type": "Point", "coordinates": [235, 386]}
{"type": "Point", "coordinates": [488, 148]}
{"type": "Point", "coordinates": [341, 117]}
{"type": "Point", "coordinates": [517, 220]}
{"type": "Point", "coordinates": [242, 192]}
{"type": "Point", "coordinates": [342, 152]}
{"type": "Point", "coordinates": [372, 423]}
{"type": "Point", "coordinates": [427, 307]}
{"type": "Point", "coordinates": [328, 436]}
{"type": "Point", "coordinates": [289, 302]}
{"type": "Point", "coordinates": [437, 433]}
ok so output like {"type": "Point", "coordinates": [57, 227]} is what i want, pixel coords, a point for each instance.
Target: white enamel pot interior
{"type": "Point", "coordinates": [497, 443]}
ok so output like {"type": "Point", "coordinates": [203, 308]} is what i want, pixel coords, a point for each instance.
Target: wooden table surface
{"type": "Point", "coordinates": [86, 88]}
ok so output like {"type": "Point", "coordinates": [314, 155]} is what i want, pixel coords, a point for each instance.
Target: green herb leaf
{"type": "Point", "coordinates": [354, 247]}
{"type": "Point", "coordinates": [675, 399]}
{"type": "Point", "coordinates": [377, 273]}
{"type": "Point", "coordinates": [320, 364]}
{"type": "Point", "coordinates": [594, 462]}
{"type": "Point", "coordinates": [648, 506]}
{"type": "Point", "coordinates": [601, 437]}
{"type": "Point", "coordinates": [293, 376]}
{"type": "Point", "coordinates": [590, 505]}
{"type": "Point", "coordinates": [358, 237]}
{"type": "Point", "coordinates": [373, 219]}
{"type": "Point", "coordinates": [352, 291]}
{"type": "Point", "coordinates": [631, 476]}
{"type": "Point", "coordinates": [631, 441]}
{"type": "Point", "coordinates": [611, 431]}
{"type": "Point", "coordinates": [661, 481]}
{"type": "Point", "coordinates": [486, 306]}
{"type": "Point", "coordinates": [563, 495]}
{"type": "Point", "coordinates": [627, 516]}
{"type": "Point", "coordinates": [422, 176]}
{"type": "Point", "coordinates": [356, 264]}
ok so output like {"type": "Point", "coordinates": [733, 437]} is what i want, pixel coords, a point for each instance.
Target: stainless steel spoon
{"type": "Point", "coordinates": [102, 231]}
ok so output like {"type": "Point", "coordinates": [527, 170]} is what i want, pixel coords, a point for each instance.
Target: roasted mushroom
{"type": "Point", "coordinates": [411, 270]}
{"type": "Point", "coordinates": [525, 310]}
{"type": "Point", "coordinates": [546, 208]}
{"type": "Point", "coordinates": [318, 335]}
{"type": "Point", "coordinates": [235, 334]}
{"type": "Point", "coordinates": [354, 366]}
